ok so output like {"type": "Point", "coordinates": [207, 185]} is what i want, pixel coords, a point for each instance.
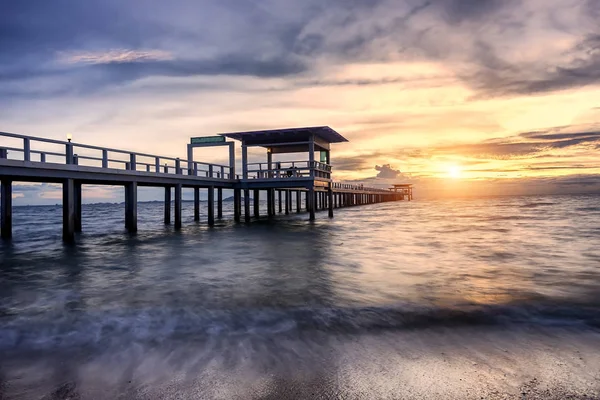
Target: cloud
{"type": "Point", "coordinates": [387, 172]}
{"type": "Point", "coordinates": [357, 162]}
{"type": "Point", "coordinates": [114, 56]}
{"type": "Point", "coordinates": [105, 43]}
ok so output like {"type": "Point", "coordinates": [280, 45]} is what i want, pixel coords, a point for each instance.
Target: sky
{"type": "Point", "coordinates": [459, 97]}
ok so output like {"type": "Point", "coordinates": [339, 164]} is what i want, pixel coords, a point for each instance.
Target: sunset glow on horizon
{"type": "Point", "coordinates": [490, 93]}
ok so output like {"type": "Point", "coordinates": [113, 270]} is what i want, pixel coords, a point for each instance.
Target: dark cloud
{"type": "Point", "coordinates": [364, 161]}
{"type": "Point", "coordinates": [351, 163]}
{"type": "Point", "coordinates": [526, 145]}
{"type": "Point", "coordinates": [497, 77]}
{"type": "Point", "coordinates": [457, 11]}
{"type": "Point", "coordinates": [281, 39]}
{"type": "Point", "coordinates": [560, 136]}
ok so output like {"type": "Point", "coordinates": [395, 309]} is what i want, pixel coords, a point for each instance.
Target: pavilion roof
{"type": "Point", "coordinates": [288, 135]}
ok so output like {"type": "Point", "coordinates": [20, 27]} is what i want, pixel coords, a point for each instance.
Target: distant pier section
{"type": "Point", "coordinates": [290, 185]}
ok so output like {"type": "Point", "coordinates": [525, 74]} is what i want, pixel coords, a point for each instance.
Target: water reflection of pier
{"type": "Point", "coordinates": [306, 182]}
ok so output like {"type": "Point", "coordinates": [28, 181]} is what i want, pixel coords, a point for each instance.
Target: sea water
{"type": "Point", "coordinates": [469, 298]}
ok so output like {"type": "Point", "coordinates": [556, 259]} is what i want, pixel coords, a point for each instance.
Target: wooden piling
{"type": "Point", "coordinates": [196, 204]}
{"type": "Point", "coordinates": [167, 219]}
{"type": "Point", "coordinates": [288, 198]}
{"type": "Point", "coordinates": [256, 202]}
{"type": "Point", "coordinates": [247, 205]}
{"type": "Point", "coordinates": [330, 202]}
{"type": "Point", "coordinates": [131, 207]}
{"type": "Point", "coordinates": [298, 201]}
{"type": "Point", "coordinates": [279, 195]}
{"type": "Point", "coordinates": [69, 211]}
{"type": "Point", "coordinates": [211, 206]}
{"type": "Point", "coordinates": [237, 205]}
{"type": "Point", "coordinates": [220, 203]}
{"type": "Point", "coordinates": [178, 198]}
{"type": "Point", "coordinates": [78, 199]}
{"type": "Point", "coordinates": [6, 209]}
{"type": "Point", "coordinates": [310, 203]}
{"type": "Point", "coordinates": [270, 202]}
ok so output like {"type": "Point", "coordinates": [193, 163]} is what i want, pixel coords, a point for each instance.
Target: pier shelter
{"type": "Point", "coordinates": [307, 174]}
{"type": "Point", "coordinates": [405, 190]}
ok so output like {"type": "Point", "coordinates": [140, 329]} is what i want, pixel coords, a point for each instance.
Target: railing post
{"type": "Point", "coordinates": [177, 166]}
{"type": "Point", "coordinates": [42, 157]}
{"type": "Point", "coordinates": [223, 172]}
{"type": "Point", "coordinates": [195, 168]}
{"type": "Point", "coordinates": [132, 162]}
{"type": "Point", "coordinates": [157, 164]}
{"type": "Point", "coordinates": [26, 149]}
{"type": "Point", "coordinates": [166, 168]}
{"type": "Point", "coordinates": [104, 158]}
{"type": "Point", "coordinates": [3, 153]}
{"type": "Point", "coordinates": [69, 153]}
{"type": "Point", "coordinates": [147, 167]}
{"type": "Point", "coordinates": [75, 159]}
{"type": "Point", "coordinates": [210, 171]}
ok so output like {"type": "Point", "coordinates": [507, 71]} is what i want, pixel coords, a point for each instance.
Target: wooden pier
{"type": "Point", "coordinates": [307, 183]}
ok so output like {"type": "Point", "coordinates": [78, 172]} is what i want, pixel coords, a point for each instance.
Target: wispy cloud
{"type": "Point", "coordinates": [114, 56]}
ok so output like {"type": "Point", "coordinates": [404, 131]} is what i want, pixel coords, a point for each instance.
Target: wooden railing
{"type": "Point", "coordinates": [357, 187]}
{"type": "Point", "coordinates": [68, 153]}
{"type": "Point", "coordinates": [288, 169]}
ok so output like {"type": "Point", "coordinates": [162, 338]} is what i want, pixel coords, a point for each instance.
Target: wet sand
{"type": "Point", "coordinates": [528, 363]}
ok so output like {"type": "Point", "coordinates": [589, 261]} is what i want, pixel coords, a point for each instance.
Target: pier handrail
{"type": "Point", "coordinates": [357, 187]}
{"type": "Point", "coordinates": [178, 166]}
{"type": "Point", "coordinates": [287, 169]}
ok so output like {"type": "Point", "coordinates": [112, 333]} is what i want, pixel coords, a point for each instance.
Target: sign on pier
{"type": "Point", "coordinates": [207, 139]}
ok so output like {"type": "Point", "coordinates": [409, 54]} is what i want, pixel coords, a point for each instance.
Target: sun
{"type": "Point", "coordinates": [454, 171]}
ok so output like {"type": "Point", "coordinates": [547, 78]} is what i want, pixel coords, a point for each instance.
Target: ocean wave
{"type": "Point", "coordinates": [160, 325]}
{"type": "Point", "coordinates": [536, 204]}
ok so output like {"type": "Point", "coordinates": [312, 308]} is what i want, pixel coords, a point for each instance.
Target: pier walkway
{"type": "Point", "coordinates": [308, 182]}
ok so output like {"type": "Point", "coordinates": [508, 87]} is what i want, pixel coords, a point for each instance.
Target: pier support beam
{"type": "Point", "coordinates": [310, 203]}
{"type": "Point", "coordinates": [211, 205]}
{"type": "Point", "coordinates": [247, 205]}
{"type": "Point", "coordinates": [298, 201]}
{"type": "Point", "coordinates": [237, 204]}
{"type": "Point", "coordinates": [220, 203]}
{"type": "Point", "coordinates": [6, 209]}
{"type": "Point", "coordinates": [271, 202]}
{"type": "Point", "coordinates": [330, 202]}
{"type": "Point", "coordinates": [196, 204]}
{"type": "Point", "coordinates": [167, 205]}
{"type": "Point", "coordinates": [288, 200]}
{"type": "Point", "coordinates": [78, 198]}
{"type": "Point", "coordinates": [279, 198]}
{"type": "Point", "coordinates": [256, 202]}
{"type": "Point", "coordinates": [69, 211]}
{"type": "Point", "coordinates": [131, 207]}
{"type": "Point", "coordinates": [178, 190]}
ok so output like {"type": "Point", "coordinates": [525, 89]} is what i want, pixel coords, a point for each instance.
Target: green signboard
{"type": "Point", "coordinates": [207, 139]}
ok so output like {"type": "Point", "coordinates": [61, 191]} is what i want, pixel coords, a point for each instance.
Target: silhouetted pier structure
{"type": "Point", "coordinates": [306, 182]}
{"type": "Point", "coordinates": [405, 190]}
